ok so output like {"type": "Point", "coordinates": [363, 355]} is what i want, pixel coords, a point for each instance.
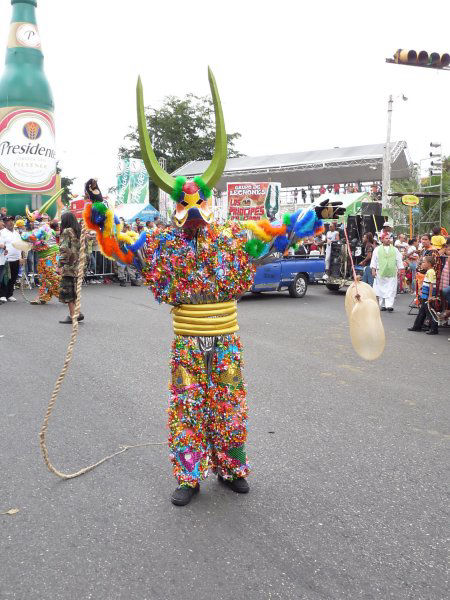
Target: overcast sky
{"type": "Point", "coordinates": [292, 75]}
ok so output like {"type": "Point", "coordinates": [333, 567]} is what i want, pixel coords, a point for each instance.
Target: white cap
{"type": "Point", "coordinates": [388, 223]}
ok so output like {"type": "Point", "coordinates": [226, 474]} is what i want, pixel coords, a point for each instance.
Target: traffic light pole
{"type": "Point", "coordinates": [386, 184]}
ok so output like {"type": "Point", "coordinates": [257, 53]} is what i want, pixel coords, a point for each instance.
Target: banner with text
{"type": "Point", "coordinates": [253, 200]}
{"type": "Point", "coordinates": [132, 182]}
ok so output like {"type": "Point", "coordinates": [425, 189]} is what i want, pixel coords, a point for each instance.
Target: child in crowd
{"type": "Point", "coordinates": [427, 294]}
{"type": "Point", "coordinates": [413, 257]}
{"type": "Point", "coordinates": [404, 282]}
{"type": "Point", "coordinates": [445, 280]}
{"type": "Point", "coordinates": [437, 239]}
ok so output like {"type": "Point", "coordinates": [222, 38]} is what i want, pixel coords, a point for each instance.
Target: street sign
{"type": "Point", "coordinates": [410, 200]}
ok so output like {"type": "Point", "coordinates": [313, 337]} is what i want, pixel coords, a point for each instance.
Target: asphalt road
{"type": "Point", "coordinates": [348, 484]}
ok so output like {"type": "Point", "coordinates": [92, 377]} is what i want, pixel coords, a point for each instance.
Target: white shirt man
{"type": "Point", "coordinates": [385, 264]}
{"type": "Point", "coordinates": [386, 230]}
{"type": "Point", "coordinates": [13, 256]}
{"type": "Point", "coordinates": [401, 242]}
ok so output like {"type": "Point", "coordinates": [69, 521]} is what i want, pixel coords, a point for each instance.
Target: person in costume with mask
{"type": "Point", "coordinates": [385, 264]}
{"type": "Point", "coordinates": [201, 268]}
{"type": "Point", "coordinates": [43, 242]}
{"type": "Point", "coordinates": [92, 191]}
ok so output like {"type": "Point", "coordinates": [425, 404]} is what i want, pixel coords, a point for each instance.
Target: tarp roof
{"type": "Point", "coordinates": [316, 167]}
{"type": "Point", "coordinates": [130, 212]}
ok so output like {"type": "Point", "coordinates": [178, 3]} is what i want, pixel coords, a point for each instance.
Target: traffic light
{"type": "Point", "coordinates": [421, 58]}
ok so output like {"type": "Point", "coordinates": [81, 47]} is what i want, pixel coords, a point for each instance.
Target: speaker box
{"type": "Point", "coordinates": [354, 227]}
{"type": "Point", "coordinates": [371, 208]}
{"type": "Point", "coordinates": [335, 250]}
{"type": "Point", "coordinates": [368, 224]}
{"type": "Point", "coordinates": [335, 259]}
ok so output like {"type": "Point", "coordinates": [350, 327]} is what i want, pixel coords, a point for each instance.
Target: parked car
{"type": "Point", "coordinates": [292, 273]}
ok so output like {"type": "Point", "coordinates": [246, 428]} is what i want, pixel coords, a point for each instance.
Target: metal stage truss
{"type": "Point", "coordinates": [318, 167]}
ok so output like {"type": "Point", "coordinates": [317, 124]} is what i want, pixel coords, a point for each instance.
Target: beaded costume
{"type": "Point", "coordinates": [43, 242]}
{"type": "Point", "coordinates": [201, 269]}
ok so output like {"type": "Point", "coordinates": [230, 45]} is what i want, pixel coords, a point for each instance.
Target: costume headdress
{"type": "Point", "coordinates": [191, 196]}
{"type": "Point", "coordinates": [37, 214]}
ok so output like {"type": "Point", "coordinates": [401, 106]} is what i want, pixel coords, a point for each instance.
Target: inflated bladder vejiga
{"type": "Point", "coordinates": [366, 327]}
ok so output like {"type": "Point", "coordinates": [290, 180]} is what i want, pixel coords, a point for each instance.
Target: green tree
{"type": "Point", "coordinates": [429, 205]}
{"type": "Point", "coordinates": [183, 129]}
{"type": "Point", "coordinates": [66, 183]}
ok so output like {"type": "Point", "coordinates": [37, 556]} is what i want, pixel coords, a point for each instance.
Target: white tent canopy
{"type": "Point", "coordinates": [129, 212]}
{"type": "Point", "coordinates": [317, 167]}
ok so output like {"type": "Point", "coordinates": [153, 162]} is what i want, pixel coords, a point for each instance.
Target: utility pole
{"type": "Point", "coordinates": [385, 203]}
{"type": "Point", "coordinates": [386, 184]}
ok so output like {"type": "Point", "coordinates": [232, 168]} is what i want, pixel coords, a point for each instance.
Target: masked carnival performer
{"type": "Point", "coordinates": [43, 242]}
{"type": "Point", "coordinates": [200, 269]}
{"type": "Point", "coordinates": [92, 191]}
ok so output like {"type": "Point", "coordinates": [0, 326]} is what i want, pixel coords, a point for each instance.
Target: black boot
{"type": "Point", "coordinates": [67, 320]}
{"type": "Point", "coordinates": [184, 494]}
{"type": "Point", "coordinates": [238, 485]}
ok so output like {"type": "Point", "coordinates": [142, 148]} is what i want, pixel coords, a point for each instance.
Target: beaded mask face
{"type": "Point", "coordinates": [192, 206]}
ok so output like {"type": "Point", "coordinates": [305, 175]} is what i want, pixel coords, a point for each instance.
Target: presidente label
{"type": "Point", "coordinates": [27, 150]}
{"type": "Point", "coordinates": [24, 35]}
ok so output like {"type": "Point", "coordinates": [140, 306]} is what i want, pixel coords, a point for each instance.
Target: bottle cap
{"type": "Point", "coordinates": [33, 2]}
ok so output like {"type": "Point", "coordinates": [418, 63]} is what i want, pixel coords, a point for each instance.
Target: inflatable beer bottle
{"type": "Point", "coordinates": [27, 131]}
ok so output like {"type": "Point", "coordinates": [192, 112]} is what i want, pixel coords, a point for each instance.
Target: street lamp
{"type": "Point", "coordinates": [387, 153]}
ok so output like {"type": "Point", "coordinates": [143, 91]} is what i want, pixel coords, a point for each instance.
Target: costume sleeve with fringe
{"type": "Point", "coordinates": [297, 225]}
{"type": "Point", "coordinates": [113, 242]}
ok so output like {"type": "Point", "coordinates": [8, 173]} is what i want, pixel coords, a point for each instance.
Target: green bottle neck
{"type": "Point", "coordinates": [24, 11]}
{"type": "Point", "coordinates": [23, 81]}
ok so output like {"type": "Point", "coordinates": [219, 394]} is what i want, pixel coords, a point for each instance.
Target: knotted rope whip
{"type": "Point", "coordinates": [59, 381]}
{"type": "Point", "coordinates": [22, 282]}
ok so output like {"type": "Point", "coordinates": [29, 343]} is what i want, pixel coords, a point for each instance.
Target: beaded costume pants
{"type": "Point", "coordinates": [49, 278]}
{"type": "Point", "coordinates": [207, 410]}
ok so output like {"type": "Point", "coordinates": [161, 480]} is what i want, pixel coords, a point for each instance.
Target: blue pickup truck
{"type": "Point", "coordinates": [276, 273]}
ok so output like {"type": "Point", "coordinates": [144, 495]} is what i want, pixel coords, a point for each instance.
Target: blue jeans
{"type": "Point", "coordinates": [412, 268]}
{"type": "Point", "coordinates": [368, 277]}
{"type": "Point", "coordinates": [2, 283]}
{"type": "Point", "coordinates": [446, 294]}
{"type": "Point", "coordinates": [32, 261]}
{"type": "Point", "coordinates": [92, 262]}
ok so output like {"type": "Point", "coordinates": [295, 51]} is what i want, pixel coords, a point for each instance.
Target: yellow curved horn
{"type": "Point", "coordinates": [214, 172]}
{"type": "Point", "coordinates": [44, 208]}
{"type": "Point", "coordinates": [30, 216]}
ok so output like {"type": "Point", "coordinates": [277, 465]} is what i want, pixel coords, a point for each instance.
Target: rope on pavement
{"type": "Point", "coordinates": [22, 285]}
{"type": "Point", "coordinates": [59, 381]}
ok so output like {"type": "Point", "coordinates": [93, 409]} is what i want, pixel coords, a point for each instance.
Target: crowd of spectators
{"type": "Point", "coordinates": [414, 254]}
{"type": "Point", "coordinates": [425, 273]}
{"type": "Point", "coordinates": [420, 256]}
{"type": "Point", "coordinates": [98, 269]}
{"type": "Point", "coordinates": [310, 193]}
